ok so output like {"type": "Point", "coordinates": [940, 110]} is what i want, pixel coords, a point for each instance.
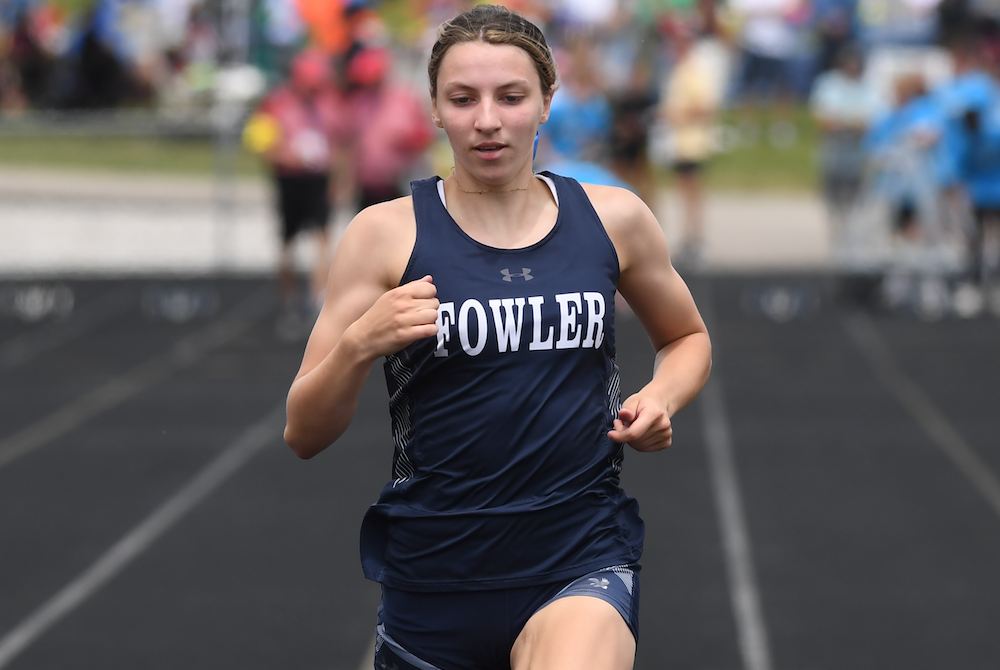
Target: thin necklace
{"type": "Point", "coordinates": [508, 190]}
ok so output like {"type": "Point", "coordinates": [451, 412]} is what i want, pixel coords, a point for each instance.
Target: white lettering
{"type": "Point", "coordinates": [569, 327]}
{"type": "Point", "coordinates": [537, 344]}
{"type": "Point", "coordinates": [508, 329]}
{"type": "Point", "coordinates": [595, 319]}
{"type": "Point", "coordinates": [445, 320]}
{"type": "Point", "coordinates": [581, 324]}
{"type": "Point", "coordinates": [463, 326]}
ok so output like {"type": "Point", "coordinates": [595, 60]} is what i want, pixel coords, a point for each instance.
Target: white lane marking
{"type": "Point", "coordinates": [933, 422]}
{"type": "Point", "coordinates": [115, 391]}
{"type": "Point", "coordinates": [751, 627]}
{"type": "Point", "coordinates": [21, 349]}
{"type": "Point", "coordinates": [127, 549]}
{"type": "Point", "coordinates": [368, 660]}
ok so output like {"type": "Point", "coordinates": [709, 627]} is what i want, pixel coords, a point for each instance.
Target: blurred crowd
{"type": "Point", "coordinates": [107, 53]}
{"type": "Point", "coordinates": [910, 167]}
{"type": "Point", "coordinates": [643, 82]}
{"type": "Point", "coordinates": [101, 54]}
{"type": "Point", "coordinates": [753, 54]}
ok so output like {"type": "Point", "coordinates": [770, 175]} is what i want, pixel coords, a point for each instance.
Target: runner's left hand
{"type": "Point", "coordinates": [644, 423]}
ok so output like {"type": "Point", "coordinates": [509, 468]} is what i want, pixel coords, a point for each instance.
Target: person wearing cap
{"type": "Point", "coordinates": [391, 127]}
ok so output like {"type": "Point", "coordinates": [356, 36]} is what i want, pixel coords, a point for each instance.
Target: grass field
{"type": "Point", "coordinates": [121, 154]}
{"type": "Point", "coordinates": [751, 163]}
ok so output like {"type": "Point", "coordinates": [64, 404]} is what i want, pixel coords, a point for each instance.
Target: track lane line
{"type": "Point", "coordinates": [744, 594]}
{"type": "Point", "coordinates": [142, 536]}
{"type": "Point", "coordinates": [931, 420]}
{"type": "Point", "coordinates": [368, 660]}
{"type": "Point", "coordinates": [117, 390]}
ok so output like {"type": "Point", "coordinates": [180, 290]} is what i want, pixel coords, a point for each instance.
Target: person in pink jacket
{"type": "Point", "coordinates": [306, 150]}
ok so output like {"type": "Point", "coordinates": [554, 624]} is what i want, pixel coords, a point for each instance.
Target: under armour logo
{"type": "Point", "coordinates": [387, 666]}
{"type": "Point", "coordinates": [508, 275]}
{"type": "Point", "coordinates": [601, 583]}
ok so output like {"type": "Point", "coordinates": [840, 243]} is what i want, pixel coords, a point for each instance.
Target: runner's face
{"type": "Point", "coordinates": [490, 104]}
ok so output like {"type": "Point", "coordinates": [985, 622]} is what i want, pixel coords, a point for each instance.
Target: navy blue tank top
{"type": "Point", "coordinates": [503, 473]}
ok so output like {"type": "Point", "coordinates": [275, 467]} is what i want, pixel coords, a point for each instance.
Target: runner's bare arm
{"type": "Point", "coordinates": [365, 316]}
{"type": "Point", "coordinates": [662, 302]}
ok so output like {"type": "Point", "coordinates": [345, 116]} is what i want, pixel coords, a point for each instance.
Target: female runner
{"type": "Point", "coordinates": [503, 540]}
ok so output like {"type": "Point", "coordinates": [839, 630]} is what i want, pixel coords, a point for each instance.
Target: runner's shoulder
{"type": "Point", "coordinates": [384, 221]}
{"type": "Point", "coordinates": [619, 209]}
{"type": "Point", "coordinates": [381, 237]}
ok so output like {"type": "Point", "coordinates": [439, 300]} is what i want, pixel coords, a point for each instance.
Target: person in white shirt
{"type": "Point", "coordinates": [843, 104]}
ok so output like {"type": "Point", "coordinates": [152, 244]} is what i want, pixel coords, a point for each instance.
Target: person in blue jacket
{"type": "Point", "coordinates": [970, 102]}
{"type": "Point", "coordinates": [913, 154]}
{"type": "Point", "coordinates": [503, 539]}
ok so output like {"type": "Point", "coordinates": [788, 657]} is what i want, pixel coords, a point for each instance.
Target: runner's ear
{"type": "Point", "coordinates": [434, 112]}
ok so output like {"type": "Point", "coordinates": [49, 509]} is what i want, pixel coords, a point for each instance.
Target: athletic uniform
{"type": "Point", "coordinates": [505, 488]}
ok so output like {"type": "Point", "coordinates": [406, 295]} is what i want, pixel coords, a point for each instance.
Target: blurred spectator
{"type": "Point", "coordinates": [575, 141]}
{"type": "Point", "coordinates": [714, 45]}
{"type": "Point", "coordinates": [12, 100]}
{"type": "Point", "coordinates": [956, 20]}
{"type": "Point", "coordinates": [364, 28]}
{"type": "Point", "coordinates": [101, 76]}
{"type": "Point", "coordinates": [970, 102]}
{"type": "Point", "coordinates": [391, 127]}
{"type": "Point", "coordinates": [199, 49]}
{"type": "Point", "coordinates": [339, 26]}
{"type": "Point", "coordinates": [580, 116]}
{"type": "Point", "coordinates": [909, 148]}
{"type": "Point", "coordinates": [618, 48]}
{"type": "Point", "coordinates": [769, 45]}
{"type": "Point", "coordinates": [301, 128]}
{"type": "Point", "coordinates": [631, 112]}
{"type": "Point", "coordinates": [284, 31]}
{"type": "Point", "coordinates": [835, 26]}
{"type": "Point", "coordinates": [628, 67]}
{"type": "Point", "coordinates": [689, 105]}
{"type": "Point", "coordinates": [971, 89]}
{"type": "Point", "coordinates": [30, 59]}
{"type": "Point", "coordinates": [844, 105]}
{"type": "Point", "coordinates": [192, 61]}
{"type": "Point", "coordinates": [981, 175]}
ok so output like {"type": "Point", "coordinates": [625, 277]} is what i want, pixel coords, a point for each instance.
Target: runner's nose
{"type": "Point", "coordinates": [487, 118]}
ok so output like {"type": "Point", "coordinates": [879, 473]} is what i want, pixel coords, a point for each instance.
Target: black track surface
{"type": "Point", "coordinates": [872, 550]}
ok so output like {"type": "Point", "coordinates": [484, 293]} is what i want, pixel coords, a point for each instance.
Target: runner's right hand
{"type": "Point", "coordinates": [398, 318]}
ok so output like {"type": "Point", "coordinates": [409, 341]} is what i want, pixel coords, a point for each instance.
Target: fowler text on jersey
{"type": "Point", "coordinates": [570, 321]}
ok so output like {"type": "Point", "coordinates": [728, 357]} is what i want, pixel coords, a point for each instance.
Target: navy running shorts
{"type": "Point", "coordinates": [476, 630]}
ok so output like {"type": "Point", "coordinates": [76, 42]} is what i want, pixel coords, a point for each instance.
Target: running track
{"type": "Point", "coordinates": [832, 499]}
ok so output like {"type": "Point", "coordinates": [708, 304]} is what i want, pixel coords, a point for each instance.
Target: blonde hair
{"type": "Point", "coordinates": [493, 24]}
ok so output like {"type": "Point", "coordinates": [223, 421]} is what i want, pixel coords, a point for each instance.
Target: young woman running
{"type": "Point", "coordinates": [503, 540]}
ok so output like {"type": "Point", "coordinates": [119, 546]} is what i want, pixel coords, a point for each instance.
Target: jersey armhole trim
{"type": "Point", "coordinates": [572, 183]}
{"type": "Point", "coordinates": [405, 278]}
